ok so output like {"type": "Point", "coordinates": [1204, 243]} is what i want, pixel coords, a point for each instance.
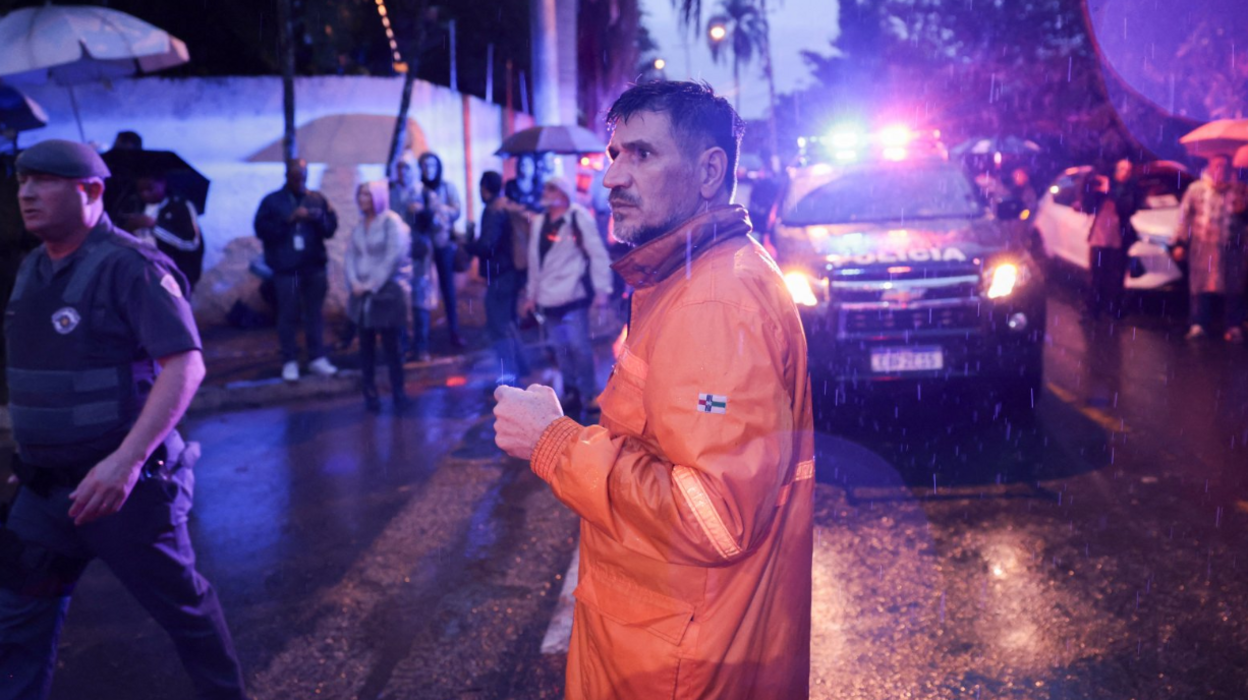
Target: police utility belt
{"type": "Point", "coordinates": [165, 460]}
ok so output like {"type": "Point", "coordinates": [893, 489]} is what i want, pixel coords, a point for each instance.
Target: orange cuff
{"type": "Point", "coordinates": [551, 445]}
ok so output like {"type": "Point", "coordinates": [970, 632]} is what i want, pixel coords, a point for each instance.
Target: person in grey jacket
{"type": "Point", "coordinates": [569, 271]}
{"type": "Point", "coordinates": [377, 265]}
{"type": "Point", "coordinates": [293, 223]}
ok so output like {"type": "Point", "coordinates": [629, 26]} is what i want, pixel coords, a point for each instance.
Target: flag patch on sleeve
{"type": "Point", "coordinates": [711, 403]}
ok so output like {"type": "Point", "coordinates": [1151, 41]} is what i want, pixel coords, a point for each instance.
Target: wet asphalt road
{"type": "Point", "coordinates": [1090, 552]}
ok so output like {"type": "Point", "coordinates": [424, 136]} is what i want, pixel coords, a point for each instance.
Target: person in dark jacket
{"type": "Point", "coordinates": [1111, 202]}
{"type": "Point", "coordinates": [525, 188]}
{"type": "Point", "coordinates": [168, 221]}
{"type": "Point", "coordinates": [121, 187]}
{"type": "Point", "coordinates": [293, 224]}
{"type": "Point", "coordinates": [437, 212]}
{"type": "Point", "coordinates": [503, 281]}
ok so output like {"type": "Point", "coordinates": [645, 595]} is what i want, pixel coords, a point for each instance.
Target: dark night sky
{"type": "Point", "coordinates": [239, 37]}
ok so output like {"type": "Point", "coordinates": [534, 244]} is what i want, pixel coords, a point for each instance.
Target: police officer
{"type": "Point", "coordinates": [103, 359]}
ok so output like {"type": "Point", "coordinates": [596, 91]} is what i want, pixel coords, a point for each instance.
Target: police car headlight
{"type": "Point", "coordinates": [1002, 280]}
{"type": "Point", "coordinates": [1004, 277]}
{"type": "Point", "coordinates": [800, 288]}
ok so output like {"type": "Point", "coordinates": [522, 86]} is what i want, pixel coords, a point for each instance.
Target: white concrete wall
{"type": "Point", "coordinates": [217, 123]}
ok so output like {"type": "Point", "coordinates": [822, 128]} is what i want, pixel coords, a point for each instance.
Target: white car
{"type": "Point", "coordinates": [1063, 229]}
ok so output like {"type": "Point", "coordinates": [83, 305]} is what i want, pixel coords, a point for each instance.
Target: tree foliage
{"type": "Point", "coordinates": [969, 67]}
{"type": "Point", "coordinates": [610, 41]}
{"type": "Point", "coordinates": [1188, 59]}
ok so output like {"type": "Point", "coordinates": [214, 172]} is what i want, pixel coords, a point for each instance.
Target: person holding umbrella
{"type": "Point", "coordinates": [1211, 237]}
{"type": "Point", "coordinates": [525, 189]}
{"type": "Point", "coordinates": [167, 221]}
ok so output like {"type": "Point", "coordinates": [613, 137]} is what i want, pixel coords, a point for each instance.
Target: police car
{"type": "Point", "coordinates": [901, 272]}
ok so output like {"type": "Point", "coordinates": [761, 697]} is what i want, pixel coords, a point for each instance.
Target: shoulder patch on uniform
{"type": "Point", "coordinates": [65, 320]}
{"type": "Point", "coordinates": [171, 285]}
{"type": "Point", "coordinates": [712, 403]}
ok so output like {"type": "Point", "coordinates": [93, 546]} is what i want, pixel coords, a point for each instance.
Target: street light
{"type": "Point", "coordinates": [717, 30]}
{"type": "Point", "coordinates": [659, 64]}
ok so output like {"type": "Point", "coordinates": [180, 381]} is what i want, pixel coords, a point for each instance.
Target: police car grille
{"type": "Point", "coordinates": [895, 320]}
{"type": "Point", "coordinates": [966, 290]}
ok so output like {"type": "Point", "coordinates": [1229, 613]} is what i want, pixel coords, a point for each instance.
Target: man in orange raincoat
{"type": "Point", "coordinates": [696, 490]}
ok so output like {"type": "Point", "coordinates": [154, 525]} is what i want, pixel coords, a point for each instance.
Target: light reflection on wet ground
{"type": "Point", "coordinates": [1096, 551]}
{"type": "Point", "coordinates": [1085, 557]}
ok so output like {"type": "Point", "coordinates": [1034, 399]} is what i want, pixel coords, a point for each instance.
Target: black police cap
{"type": "Point", "coordinates": [68, 159]}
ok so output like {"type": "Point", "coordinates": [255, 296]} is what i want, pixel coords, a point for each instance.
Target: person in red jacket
{"type": "Point", "coordinates": [696, 489]}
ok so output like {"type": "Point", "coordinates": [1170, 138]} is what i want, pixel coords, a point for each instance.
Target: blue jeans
{"type": "Point", "coordinates": [574, 351]}
{"type": "Point", "coordinates": [146, 545]}
{"type": "Point", "coordinates": [301, 293]}
{"type": "Point", "coordinates": [444, 259]}
{"type": "Point", "coordinates": [501, 294]}
{"type": "Point", "coordinates": [422, 293]}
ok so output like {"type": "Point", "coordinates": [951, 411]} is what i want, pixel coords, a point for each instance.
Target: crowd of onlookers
{"type": "Point", "coordinates": [543, 258]}
{"type": "Point", "coordinates": [1210, 238]}
{"type": "Point", "coordinates": [540, 253]}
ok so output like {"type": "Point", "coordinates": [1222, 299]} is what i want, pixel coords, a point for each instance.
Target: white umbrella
{"type": "Point", "coordinates": [73, 44]}
{"type": "Point", "coordinates": [1221, 137]}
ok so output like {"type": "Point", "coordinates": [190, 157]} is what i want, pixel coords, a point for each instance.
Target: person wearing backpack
{"type": "Point", "coordinates": [569, 271]}
{"type": "Point", "coordinates": [503, 281]}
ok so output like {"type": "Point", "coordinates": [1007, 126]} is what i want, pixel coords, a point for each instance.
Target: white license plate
{"type": "Point", "coordinates": [907, 359]}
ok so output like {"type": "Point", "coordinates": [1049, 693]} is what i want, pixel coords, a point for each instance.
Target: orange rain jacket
{"type": "Point", "coordinates": [696, 490]}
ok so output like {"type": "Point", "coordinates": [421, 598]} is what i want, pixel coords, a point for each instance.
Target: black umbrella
{"type": "Point", "coordinates": [18, 112]}
{"type": "Point", "coordinates": [563, 139]}
{"type": "Point", "coordinates": [130, 165]}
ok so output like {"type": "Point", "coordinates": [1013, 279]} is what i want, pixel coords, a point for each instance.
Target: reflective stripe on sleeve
{"type": "Point", "coordinates": [708, 518]}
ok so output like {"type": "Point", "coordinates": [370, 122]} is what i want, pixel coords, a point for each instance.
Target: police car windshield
{"type": "Point", "coordinates": [887, 193]}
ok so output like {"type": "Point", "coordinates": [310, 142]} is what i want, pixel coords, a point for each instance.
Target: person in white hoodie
{"type": "Point", "coordinates": [569, 271]}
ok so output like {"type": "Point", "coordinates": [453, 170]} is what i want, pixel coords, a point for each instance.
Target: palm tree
{"type": "Point", "coordinates": [745, 34]}
{"type": "Point", "coordinates": [610, 39]}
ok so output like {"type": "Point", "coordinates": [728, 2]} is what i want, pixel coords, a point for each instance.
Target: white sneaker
{"type": "Point", "coordinates": [1195, 333]}
{"type": "Point", "coordinates": [290, 371]}
{"type": "Point", "coordinates": [322, 367]}
{"type": "Point", "coordinates": [1235, 335]}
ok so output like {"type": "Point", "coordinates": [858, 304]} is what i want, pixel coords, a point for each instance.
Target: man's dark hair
{"type": "Point", "coordinates": [700, 118]}
{"type": "Point", "coordinates": [128, 139]}
{"type": "Point", "coordinates": [491, 182]}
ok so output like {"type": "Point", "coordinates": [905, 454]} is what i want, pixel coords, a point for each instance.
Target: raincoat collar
{"type": "Point", "coordinates": [652, 262]}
